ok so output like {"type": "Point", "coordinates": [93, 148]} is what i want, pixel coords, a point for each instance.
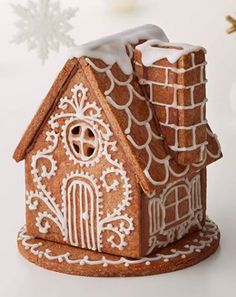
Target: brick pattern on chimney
{"type": "Point", "coordinates": [178, 94]}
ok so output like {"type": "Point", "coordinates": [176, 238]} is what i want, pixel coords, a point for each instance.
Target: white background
{"type": "Point", "coordinates": [24, 81]}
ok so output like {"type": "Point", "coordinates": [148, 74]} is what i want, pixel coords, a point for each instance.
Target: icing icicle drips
{"type": "Point", "coordinates": [154, 50]}
{"type": "Point", "coordinates": [112, 49]}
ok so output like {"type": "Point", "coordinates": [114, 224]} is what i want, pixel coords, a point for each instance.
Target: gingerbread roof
{"type": "Point", "coordinates": [45, 108]}
{"type": "Point", "coordinates": [125, 104]}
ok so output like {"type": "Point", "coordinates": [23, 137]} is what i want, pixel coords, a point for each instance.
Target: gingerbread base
{"type": "Point", "coordinates": [63, 258]}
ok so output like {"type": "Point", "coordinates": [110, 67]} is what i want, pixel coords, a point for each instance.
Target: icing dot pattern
{"type": "Point", "coordinates": [211, 233]}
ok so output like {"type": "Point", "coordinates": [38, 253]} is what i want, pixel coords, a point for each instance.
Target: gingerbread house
{"type": "Point", "coordinates": [116, 155]}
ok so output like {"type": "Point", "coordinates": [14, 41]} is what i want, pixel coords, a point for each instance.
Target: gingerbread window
{"type": "Point", "coordinates": [82, 142]}
{"type": "Point", "coordinates": [177, 205]}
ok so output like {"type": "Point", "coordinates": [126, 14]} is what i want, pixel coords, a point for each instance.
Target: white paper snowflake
{"type": "Point", "coordinates": [44, 26]}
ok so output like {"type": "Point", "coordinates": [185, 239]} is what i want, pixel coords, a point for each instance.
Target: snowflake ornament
{"type": "Point", "coordinates": [44, 26]}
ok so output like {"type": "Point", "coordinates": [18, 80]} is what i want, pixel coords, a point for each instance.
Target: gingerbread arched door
{"type": "Point", "coordinates": [80, 210]}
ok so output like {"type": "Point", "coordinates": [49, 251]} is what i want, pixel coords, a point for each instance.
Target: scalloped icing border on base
{"type": "Point", "coordinates": [203, 239]}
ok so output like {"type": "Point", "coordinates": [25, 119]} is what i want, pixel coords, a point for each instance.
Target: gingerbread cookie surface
{"type": "Point", "coordinates": [188, 251]}
{"type": "Point", "coordinates": [116, 160]}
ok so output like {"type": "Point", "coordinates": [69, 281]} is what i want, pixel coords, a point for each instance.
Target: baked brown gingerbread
{"type": "Point", "coordinates": [115, 160]}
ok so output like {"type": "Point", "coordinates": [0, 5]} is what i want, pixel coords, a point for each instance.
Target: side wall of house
{"type": "Point", "coordinates": [173, 211]}
{"type": "Point", "coordinates": [79, 187]}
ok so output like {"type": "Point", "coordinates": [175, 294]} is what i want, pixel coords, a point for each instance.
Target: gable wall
{"type": "Point", "coordinates": [120, 197]}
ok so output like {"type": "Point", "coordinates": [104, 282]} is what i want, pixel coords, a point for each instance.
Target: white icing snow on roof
{"type": "Point", "coordinates": [155, 50]}
{"type": "Point", "coordinates": [112, 49]}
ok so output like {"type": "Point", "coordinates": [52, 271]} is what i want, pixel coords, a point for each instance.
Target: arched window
{"type": "Point", "coordinates": [177, 205]}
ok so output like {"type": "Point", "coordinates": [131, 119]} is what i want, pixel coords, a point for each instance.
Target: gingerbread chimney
{"type": "Point", "coordinates": [173, 76]}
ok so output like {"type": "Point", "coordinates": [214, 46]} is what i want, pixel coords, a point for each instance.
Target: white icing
{"type": "Point", "coordinates": [54, 212]}
{"type": "Point", "coordinates": [81, 190]}
{"type": "Point", "coordinates": [173, 68]}
{"type": "Point", "coordinates": [156, 49]}
{"type": "Point", "coordinates": [117, 49]}
{"type": "Point", "coordinates": [176, 147]}
{"type": "Point", "coordinates": [87, 117]}
{"type": "Point", "coordinates": [207, 237]}
{"type": "Point", "coordinates": [123, 224]}
{"type": "Point", "coordinates": [126, 107]}
{"type": "Point", "coordinates": [113, 49]}
{"type": "Point", "coordinates": [179, 225]}
{"type": "Point", "coordinates": [79, 213]}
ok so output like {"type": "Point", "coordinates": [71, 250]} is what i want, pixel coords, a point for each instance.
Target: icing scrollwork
{"type": "Point", "coordinates": [78, 212]}
{"type": "Point", "coordinates": [40, 172]}
{"type": "Point", "coordinates": [83, 130]}
{"type": "Point", "coordinates": [119, 224]}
